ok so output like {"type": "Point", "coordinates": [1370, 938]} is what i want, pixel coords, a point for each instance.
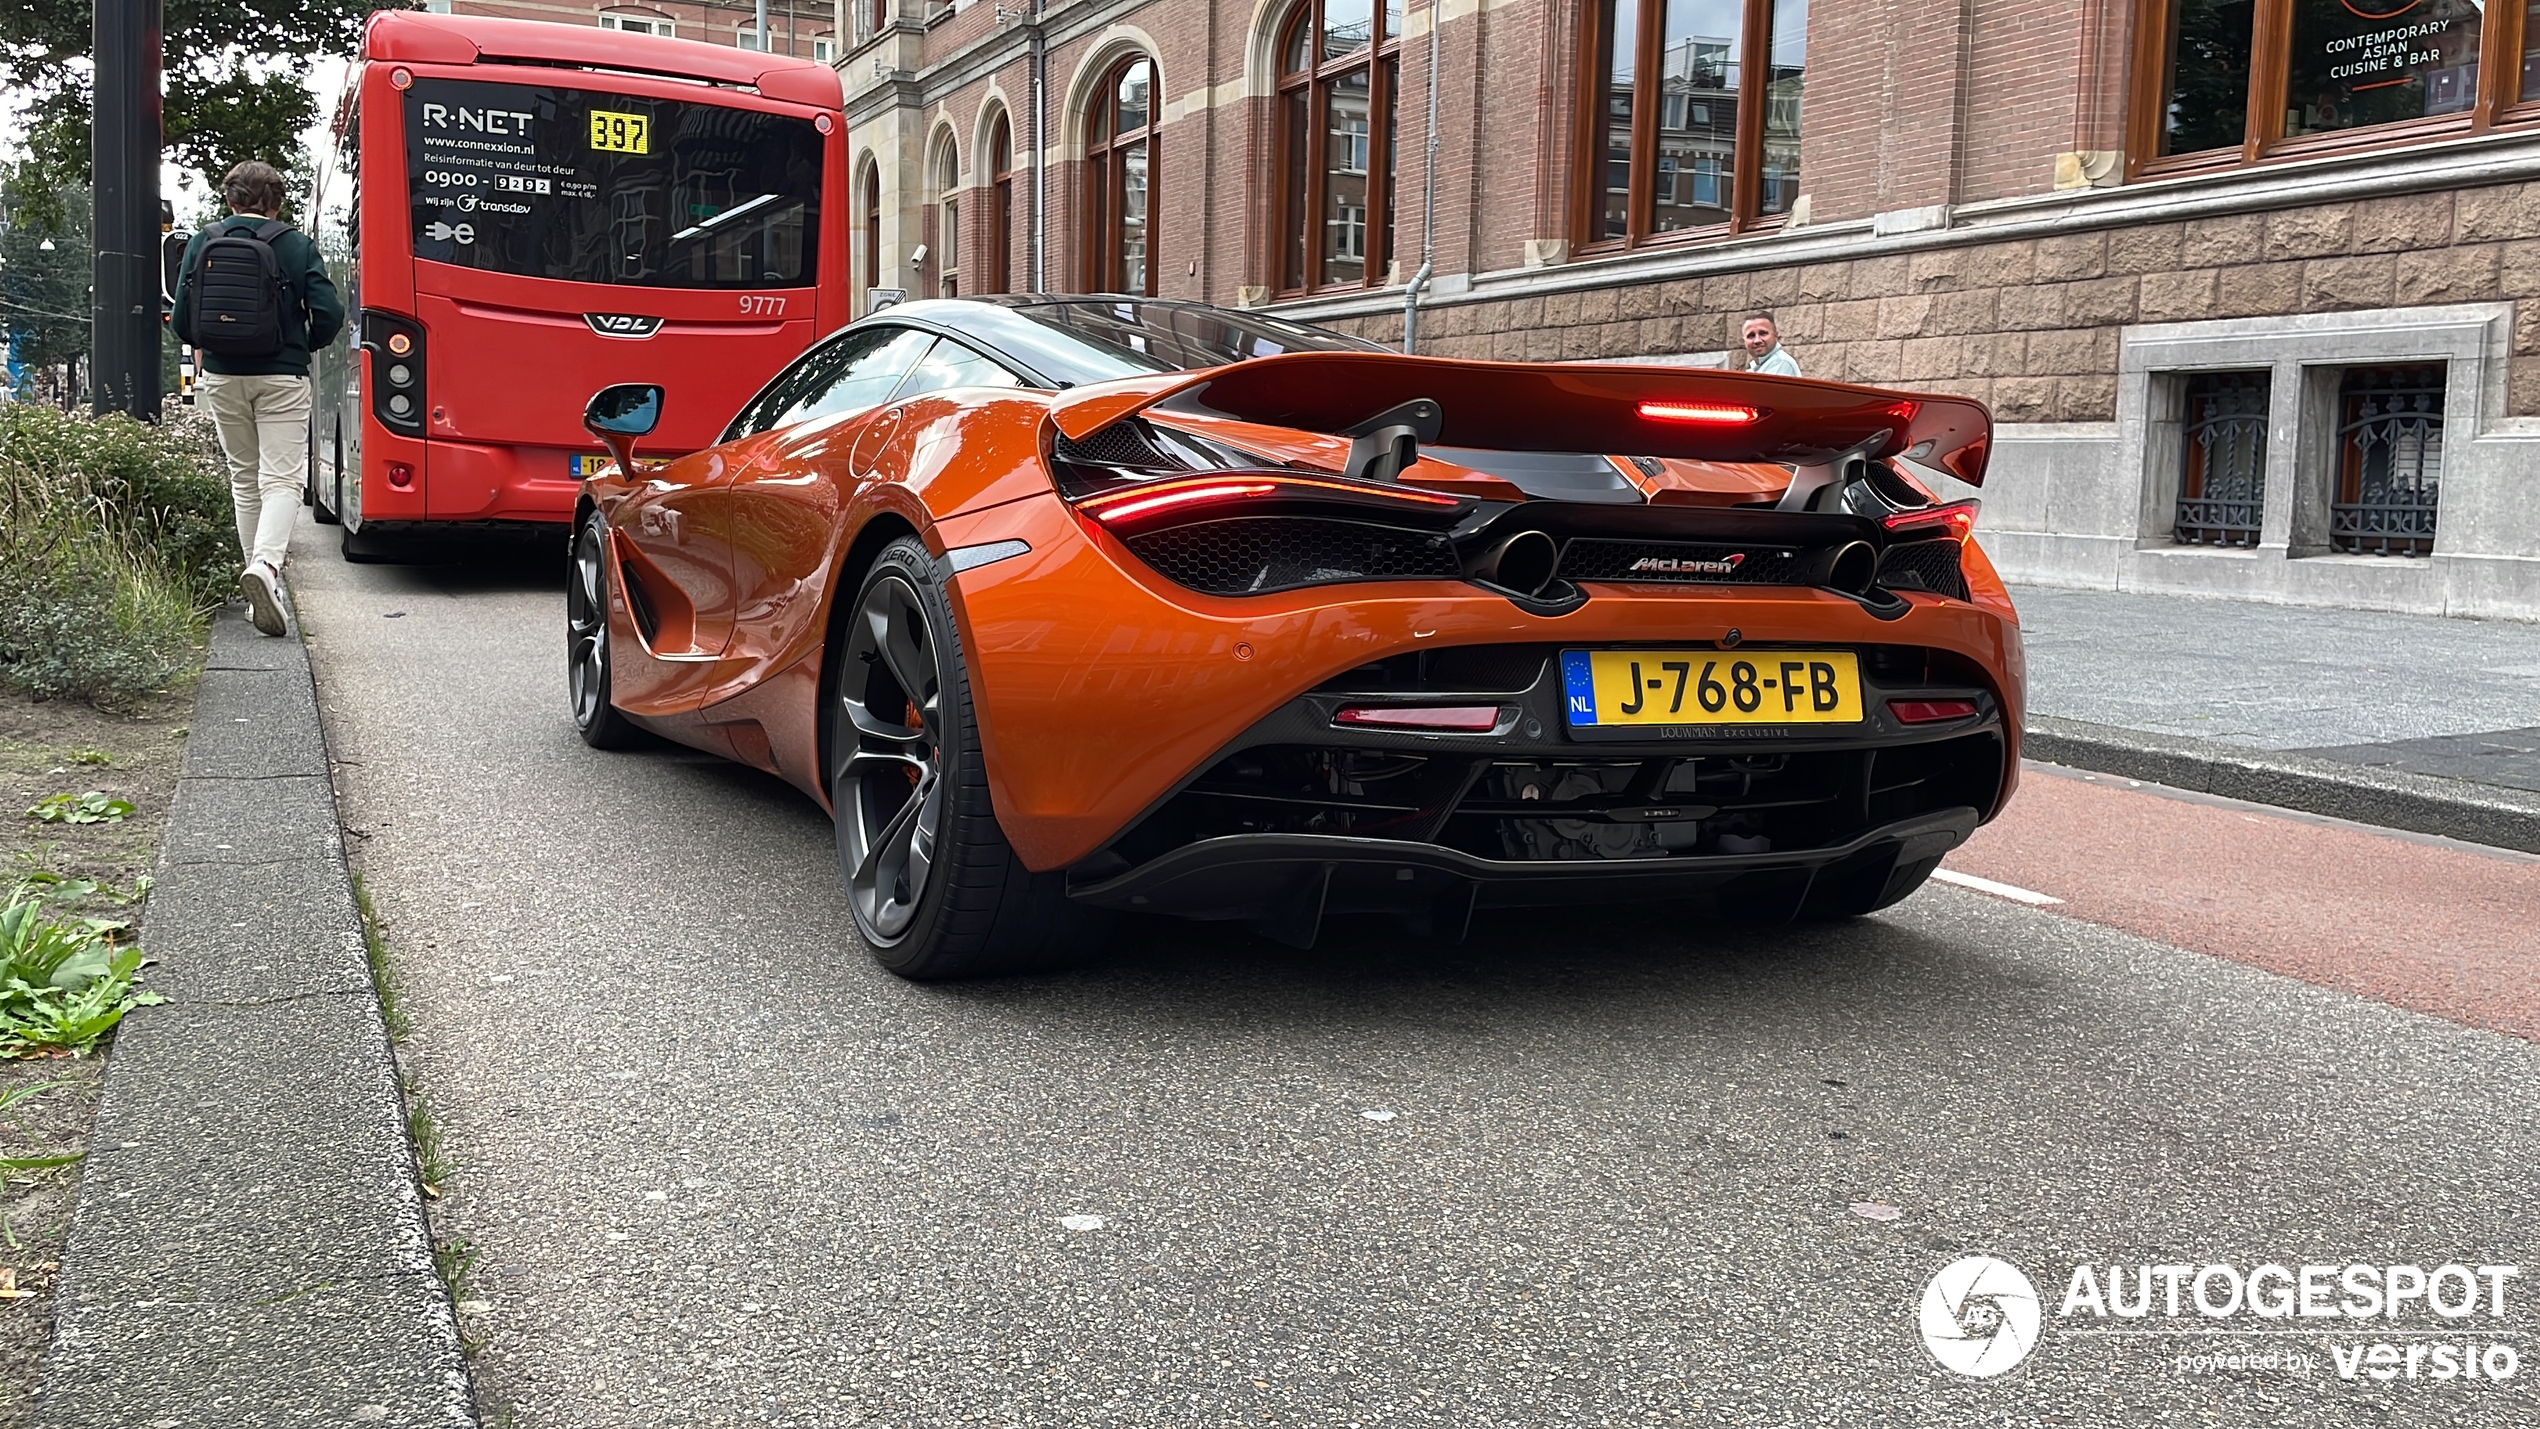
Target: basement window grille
{"type": "Point", "coordinates": [2223, 468]}
{"type": "Point", "coordinates": [2389, 460]}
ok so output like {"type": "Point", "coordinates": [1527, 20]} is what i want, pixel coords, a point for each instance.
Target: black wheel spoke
{"type": "Point", "coordinates": [889, 787]}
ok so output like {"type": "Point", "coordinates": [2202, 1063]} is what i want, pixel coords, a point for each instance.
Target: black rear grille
{"type": "Point", "coordinates": [1596, 559]}
{"type": "Point", "coordinates": [1925, 566]}
{"type": "Point", "coordinates": [1252, 555]}
{"type": "Point", "coordinates": [1120, 444]}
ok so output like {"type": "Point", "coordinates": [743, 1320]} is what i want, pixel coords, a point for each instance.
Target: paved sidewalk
{"type": "Point", "coordinates": [250, 1247]}
{"type": "Point", "coordinates": [2416, 721]}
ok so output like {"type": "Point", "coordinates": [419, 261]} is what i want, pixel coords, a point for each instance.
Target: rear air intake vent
{"type": "Point", "coordinates": [1254, 555]}
{"type": "Point", "coordinates": [1925, 566]}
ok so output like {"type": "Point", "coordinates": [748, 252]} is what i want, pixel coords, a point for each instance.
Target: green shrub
{"type": "Point", "coordinates": [115, 539]}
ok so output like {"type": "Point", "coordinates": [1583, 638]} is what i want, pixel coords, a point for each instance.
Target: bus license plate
{"type": "Point", "coordinates": [592, 464]}
{"type": "Point", "coordinates": [1604, 688]}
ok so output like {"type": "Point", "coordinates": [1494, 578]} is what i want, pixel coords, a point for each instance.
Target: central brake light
{"type": "Point", "coordinates": [1716, 414]}
{"type": "Point", "coordinates": [1958, 519]}
{"type": "Point", "coordinates": [1448, 719]}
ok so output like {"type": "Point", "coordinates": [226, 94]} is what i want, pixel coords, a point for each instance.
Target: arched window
{"type": "Point", "coordinates": [998, 276]}
{"type": "Point", "coordinates": [1337, 75]}
{"type": "Point", "coordinates": [947, 220]}
{"type": "Point", "coordinates": [870, 201]}
{"type": "Point", "coordinates": [1120, 170]}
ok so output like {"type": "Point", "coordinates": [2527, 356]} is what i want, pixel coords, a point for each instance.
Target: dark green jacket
{"type": "Point", "coordinates": [310, 319]}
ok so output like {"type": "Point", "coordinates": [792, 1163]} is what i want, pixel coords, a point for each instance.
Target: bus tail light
{"type": "Point", "coordinates": [401, 476]}
{"type": "Point", "coordinates": [396, 371]}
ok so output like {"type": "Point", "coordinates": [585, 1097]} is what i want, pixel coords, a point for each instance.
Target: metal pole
{"type": "Point", "coordinates": [123, 333]}
{"type": "Point", "coordinates": [1428, 203]}
{"type": "Point", "coordinates": [1040, 156]}
{"type": "Point", "coordinates": [763, 46]}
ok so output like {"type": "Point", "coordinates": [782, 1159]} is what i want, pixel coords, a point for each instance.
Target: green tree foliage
{"type": "Point", "coordinates": [44, 292]}
{"type": "Point", "coordinates": [236, 71]}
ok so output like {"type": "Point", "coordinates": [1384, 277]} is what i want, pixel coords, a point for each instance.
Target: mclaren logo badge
{"type": "Point", "coordinates": [1670, 566]}
{"type": "Point", "coordinates": [622, 324]}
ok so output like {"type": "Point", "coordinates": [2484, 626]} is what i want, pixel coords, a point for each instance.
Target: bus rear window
{"type": "Point", "coordinates": [611, 188]}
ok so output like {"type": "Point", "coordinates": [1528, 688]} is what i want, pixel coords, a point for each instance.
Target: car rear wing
{"type": "Point", "coordinates": [1699, 414]}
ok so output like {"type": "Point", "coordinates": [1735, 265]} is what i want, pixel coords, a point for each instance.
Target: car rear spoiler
{"type": "Point", "coordinates": [1700, 414]}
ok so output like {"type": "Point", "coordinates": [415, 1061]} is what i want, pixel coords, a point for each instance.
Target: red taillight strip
{"type": "Point", "coordinates": [1719, 414]}
{"type": "Point", "coordinates": [1930, 711]}
{"type": "Point", "coordinates": [1450, 719]}
{"type": "Point", "coordinates": [1958, 518]}
{"type": "Point", "coordinates": [1185, 491]}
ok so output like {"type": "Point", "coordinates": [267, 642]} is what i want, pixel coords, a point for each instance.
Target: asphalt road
{"type": "Point", "coordinates": [1588, 1169]}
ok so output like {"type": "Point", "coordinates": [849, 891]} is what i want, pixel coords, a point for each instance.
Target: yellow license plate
{"type": "Point", "coordinates": [1604, 688]}
{"type": "Point", "coordinates": [592, 463]}
{"type": "Point", "coordinates": [616, 133]}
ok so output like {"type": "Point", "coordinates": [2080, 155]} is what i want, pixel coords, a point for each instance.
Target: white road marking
{"type": "Point", "coordinates": [1999, 890]}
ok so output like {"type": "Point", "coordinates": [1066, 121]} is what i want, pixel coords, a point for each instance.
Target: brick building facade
{"type": "Point", "coordinates": [2252, 286]}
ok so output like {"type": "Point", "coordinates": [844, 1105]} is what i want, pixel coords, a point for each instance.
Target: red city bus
{"type": "Point", "coordinates": [522, 213]}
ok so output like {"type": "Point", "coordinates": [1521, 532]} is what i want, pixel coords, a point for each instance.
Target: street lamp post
{"type": "Point", "coordinates": [124, 328]}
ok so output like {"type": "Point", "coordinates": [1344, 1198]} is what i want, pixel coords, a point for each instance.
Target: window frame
{"type": "Point", "coordinates": [1000, 214]}
{"type": "Point", "coordinates": [947, 255]}
{"type": "Point", "coordinates": [1754, 76]}
{"type": "Point", "coordinates": [1292, 214]}
{"type": "Point", "coordinates": [625, 21]}
{"type": "Point", "coordinates": [1106, 175]}
{"type": "Point", "coordinates": [2498, 101]}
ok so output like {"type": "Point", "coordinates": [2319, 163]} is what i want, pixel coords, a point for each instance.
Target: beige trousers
{"type": "Point", "coordinates": [264, 431]}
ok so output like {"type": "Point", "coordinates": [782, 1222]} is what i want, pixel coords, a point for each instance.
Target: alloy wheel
{"type": "Point", "coordinates": [889, 788]}
{"type": "Point", "coordinates": [587, 628]}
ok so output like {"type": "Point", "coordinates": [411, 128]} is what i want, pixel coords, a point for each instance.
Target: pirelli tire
{"type": "Point", "coordinates": [935, 890]}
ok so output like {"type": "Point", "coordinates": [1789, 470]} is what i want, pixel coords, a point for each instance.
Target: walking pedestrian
{"type": "Point", "coordinates": [1764, 350]}
{"type": "Point", "coordinates": [253, 297]}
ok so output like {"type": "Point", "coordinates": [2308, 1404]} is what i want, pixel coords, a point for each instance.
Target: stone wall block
{"type": "Point", "coordinates": [1974, 388]}
{"type": "Point", "coordinates": [1904, 316]}
{"type": "Point", "coordinates": [1969, 310]}
{"type": "Point", "coordinates": [2024, 399]}
{"type": "Point", "coordinates": [2067, 256]}
{"type": "Point", "coordinates": [2064, 351]}
{"type": "Point", "coordinates": [2039, 305]}
{"type": "Point", "coordinates": [1773, 287]}
{"type": "Point", "coordinates": [2187, 295]}
{"type": "Point", "coordinates": [2248, 289]}
{"type": "Point", "coordinates": [2522, 389]}
{"type": "Point", "coordinates": [2362, 282]}
{"type": "Point", "coordinates": [2101, 300]}
{"type": "Point", "coordinates": [2216, 242]}
{"type": "Point", "coordinates": [1996, 354]}
{"type": "Point", "coordinates": [2466, 274]}
{"type": "Point", "coordinates": [2521, 269]}
{"type": "Point", "coordinates": [2310, 232]}
{"type": "Point", "coordinates": [1525, 313]}
{"type": "Point", "coordinates": [1926, 360]}
{"type": "Point", "coordinates": [1936, 271]}
{"type": "Point", "coordinates": [1506, 346]}
{"type": "Point", "coordinates": [2403, 223]}
{"type": "Point", "coordinates": [1666, 334]}
{"type": "Point", "coordinates": [1877, 363]}
{"type": "Point", "coordinates": [2151, 248]}
{"type": "Point", "coordinates": [2505, 212]}
{"type": "Point", "coordinates": [1882, 277]}
{"type": "Point", "coordinates": [2088, 398]}
{"type": "Point", "coordinates": [1846, 321]}
{"type": "Point", "coordinates": [1726, 293]}
{"type": "Point", "coordinates": [1561, 309]}
{"type": "Point", "coordinates": [1642, 300]}
{"type": "Point", "coordinates": [1825, 282]}
{"type": "Point", "coordinates": [2000, 265]}
{"type": "Point", "coordinates": [1803, 322]}
{"type": "Point", "coordinates": [2527, 329]}
{"type": "Point", "coordinates": [1600, 305]}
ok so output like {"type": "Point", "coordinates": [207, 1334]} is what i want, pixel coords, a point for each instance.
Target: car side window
{"type": "Point", "coordinates": [811, 372]}
{"type": "Point", "coordinates": [865, 379]}
{"type": "Point", "coordinates": [949, 364]}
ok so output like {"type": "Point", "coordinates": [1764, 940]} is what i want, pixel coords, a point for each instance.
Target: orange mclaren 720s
{"type": "Point", "coordinates": [1073, 606]}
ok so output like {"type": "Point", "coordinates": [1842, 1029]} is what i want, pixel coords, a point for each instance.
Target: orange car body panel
{"type": "Point", "coordinates": [1098, 685]}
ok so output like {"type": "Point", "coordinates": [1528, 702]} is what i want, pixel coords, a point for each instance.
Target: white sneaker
{"type": "Point", "coordinates": [261, 584]}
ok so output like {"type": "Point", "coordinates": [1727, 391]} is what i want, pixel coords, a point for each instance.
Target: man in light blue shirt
{"type": "Point", "coordinates": [1764, 350]}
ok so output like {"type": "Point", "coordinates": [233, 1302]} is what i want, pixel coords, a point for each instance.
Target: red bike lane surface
{"type": "Point", "coordinates": [2429, 925]}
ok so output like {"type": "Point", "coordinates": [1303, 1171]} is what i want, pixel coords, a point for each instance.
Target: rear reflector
{"type": "Point", "coordinates": [1718, 414]}
{"type": "Point", "coordinates": [1449, 719]}
{"type": "Point", "coordinates": [1930, 711]}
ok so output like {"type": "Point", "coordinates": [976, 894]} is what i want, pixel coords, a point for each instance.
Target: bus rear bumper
{"type": "Point", "coordinates": [469, 481]}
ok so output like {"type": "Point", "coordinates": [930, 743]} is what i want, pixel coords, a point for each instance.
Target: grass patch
{"type": "Point", "coordinates": [431, 1162]}
{"type": "Point", "coordinates": [116, 538]}
{"type": "Point", "coordinates": [383, 973]}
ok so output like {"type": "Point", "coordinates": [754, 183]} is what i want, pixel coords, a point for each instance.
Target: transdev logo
{"type": "Point", "coordinates": [1980, 1316]}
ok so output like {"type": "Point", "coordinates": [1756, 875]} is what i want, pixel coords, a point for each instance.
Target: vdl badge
{"type": "Point", "coordinates": [615, 133]}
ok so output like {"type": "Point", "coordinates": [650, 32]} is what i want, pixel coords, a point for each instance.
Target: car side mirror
{"type": "Point", "coordinates": [618, 415]}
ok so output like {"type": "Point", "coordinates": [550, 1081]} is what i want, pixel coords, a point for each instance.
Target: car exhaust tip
{"type": "Point", "coordinates": [1524, 563]}
{"type": "Point", "coordinates": [1853, 568]}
